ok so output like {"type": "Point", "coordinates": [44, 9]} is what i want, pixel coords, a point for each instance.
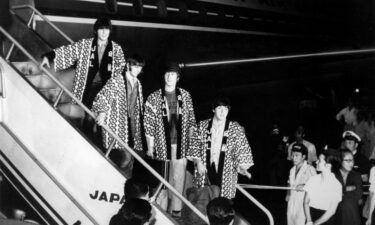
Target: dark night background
{"type": "Point", "coordinates": [304, 91]}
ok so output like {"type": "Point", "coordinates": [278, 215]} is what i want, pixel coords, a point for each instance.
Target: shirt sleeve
{"type": "Point", "coordinates": [372, 180]}
{"type": "Point", "coordinates": [150, 117]}
{"type": "Point", "coordinates": [337, 194]}
{"type": "Point", "coordinates": [308, 185]}
{"type": "Point", "coordinates": [66, 56]}
{"type": "Point", "coordinates": [243, 156]}
{"type": "Point", "coordinates": [195, 150]}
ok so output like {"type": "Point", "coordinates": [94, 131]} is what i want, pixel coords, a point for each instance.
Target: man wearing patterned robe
{"type": "Point", "coordinates": [169, 117]}
{"type": "Point", "coordinates": [120, 105]}
{"type": "Point", "coordinates": [220, 150]}
{"type": "Point", "coordinates": [96, 60]}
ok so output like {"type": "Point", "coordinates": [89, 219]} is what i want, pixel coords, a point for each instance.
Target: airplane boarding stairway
{"type": "Point", "coordinates": [65, 178]}
{"type": "Point", "coordinates": [60, 173]}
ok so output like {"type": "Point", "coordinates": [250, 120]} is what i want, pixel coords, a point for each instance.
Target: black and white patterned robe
{"type": "Point", "coordinates": [235, 151]}
{"type": "Point", "coordinates": [156, 125]}
{"type": "Point", "coordinates": [112, 100]}
{"type": "Point", "coordinates": [80, 54]}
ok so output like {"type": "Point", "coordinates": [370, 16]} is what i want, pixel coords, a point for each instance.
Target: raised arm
{"type": "Point", "coordinates": [66, 56]}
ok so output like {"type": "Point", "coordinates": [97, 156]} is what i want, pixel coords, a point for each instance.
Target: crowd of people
{"type": "Point", "coordinates": [328, 188]}
{"type": "Point", "coordinates": [325, 186]}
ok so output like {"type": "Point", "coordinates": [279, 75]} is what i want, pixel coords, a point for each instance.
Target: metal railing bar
{"type": "Point", "coordinates": [58, 99]}
{"type": "Point", "coordinates": [31, 19]}
{"type": "Point", "coordinates": [9, 52]}
{"type": "Point", "coordinates": [58, 184]}
{"type": "Point", "coordinates": [110, 148]}
{"type": "Point", "coordinates": [131, 151]}
{"type": "Point", "coordinates": [2, 86]}
{"type": "Point", "coordinates": [23, 196]}
{"type": "Point", "coordinates": [157, 193]}
{"type": "Point", "coordinates": [46, 20]}
{"type": "Point", "coordinates": [251, 60]}
{"type": "Point", "coordinates": [253, 186]}
{"type": "Point", "coordinates": [12, 46]}
{"type": "Point", "coordinates": [257, 203]}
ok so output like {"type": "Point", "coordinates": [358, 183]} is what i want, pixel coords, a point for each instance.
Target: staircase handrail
{"type": "Point", "coordinates": [53, 178]}
{"type": "Point", "coordinates": [256, 202]}
{"type": "Point", "coordinates": [58, 30]}
{"type": "Point", "coordinates": [90, 113]}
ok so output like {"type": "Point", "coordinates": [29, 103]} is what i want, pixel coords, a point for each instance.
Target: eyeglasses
{"type": "Point", "coordinates": [348, 160]}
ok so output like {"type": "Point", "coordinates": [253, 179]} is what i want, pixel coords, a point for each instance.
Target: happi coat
{"type": "Point", "coordinates": [235, 152]}
{"type": "Point", "coordinates": [112, 100]}
{"type": "Point", "coordinates": [157, 127]}
{"type": "Point", "coordinates": [295, 213]}
{"type": "Point", "coordinates": [84, 54]}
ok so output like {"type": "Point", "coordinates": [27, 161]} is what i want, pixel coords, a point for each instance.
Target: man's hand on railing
{"type": "Point", "coordinates": [45, 62]}
{"type": "Point", "coordinates": [200, 167]}
{"type": "Point", "coordinates": [150, 152]}
{"type": "Point", "coordinates": [243, 171]}
{"type": "Point", "coordinates": [100, 118]}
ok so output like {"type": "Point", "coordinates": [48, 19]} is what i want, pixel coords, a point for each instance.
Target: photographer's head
{"type": "Point", "coordinates": [220, 211]}
{"type": "Point", "coordinates": [134, 211]}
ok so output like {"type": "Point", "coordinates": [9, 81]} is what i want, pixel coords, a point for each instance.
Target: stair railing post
{"type": "Point", "coordinates": [58, 99]}
{"type": "Point", "coordinates": [110, 148]}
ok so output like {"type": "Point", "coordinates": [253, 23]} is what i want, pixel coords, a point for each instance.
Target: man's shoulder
{"type": "Point", "coordinates": [204, 122]}
{"type": "Point", "coordinates": [116, 45]}
{"type": "Point", "coordinates": [314, 179]}
{"type": "Point", "coordinates": [154, 95]}
{"type": "Point", "coordinates": [86, 40]}
{"type": "Point", "coordinates": [308, 144]}
{"type": "Point", "coordinates": [184, 92]}
{"type": "Point", "coordinates": [235, 124]}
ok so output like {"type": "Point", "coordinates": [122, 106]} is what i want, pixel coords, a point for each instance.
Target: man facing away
{"type": "Point", "coordinates": [169, 117]}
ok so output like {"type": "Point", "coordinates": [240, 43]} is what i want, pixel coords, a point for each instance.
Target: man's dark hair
{"type": "Point", "coordinates": [332, 156]}
{"type": "Point", "coordinates": [135, 188]}
{"type": "Point", "coordinates": [220, 211]}
{"type": "Point", "coordinates": [173, 67]}
{"type": "Point", "coordinates": [102, 22]}
{"type": "Point", "coordinates": [297, 147]}
{"type": "Point", "coordinates": [136, 60]}
{"type": "Point", "coordinates": [300, 130]}
{"type": "Point", "coordinates": [134, 211]}
{"type": "Point", "coordinates": [344, 152]}
{"type": "Point", "coordinates": [221, 101]}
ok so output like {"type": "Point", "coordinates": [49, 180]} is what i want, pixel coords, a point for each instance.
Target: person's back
{"type": "Point", "coordinates": [220, 211]}
{"type": "Point", "coordinates": [133, 212]}
{"type": "Point", "coordinates": [135, 188]}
